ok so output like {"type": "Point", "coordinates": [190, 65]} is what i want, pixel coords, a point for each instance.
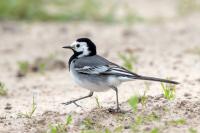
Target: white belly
{"type": "Point", "coordinates": [87, 84]}
{"type": "Point", "coordinates": [96, 83]}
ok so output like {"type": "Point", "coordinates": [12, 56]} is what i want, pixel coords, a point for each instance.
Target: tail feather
{"type": "Point", "coordinates": [156, 79]}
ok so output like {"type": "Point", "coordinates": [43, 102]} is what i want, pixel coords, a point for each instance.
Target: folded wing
{"type": "Point", "coordinates": [111, 69]}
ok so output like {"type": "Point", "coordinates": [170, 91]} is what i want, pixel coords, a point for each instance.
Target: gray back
{"type": "Point", "coordinates": [91, 61]}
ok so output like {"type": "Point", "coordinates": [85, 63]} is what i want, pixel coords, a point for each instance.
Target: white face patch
{"type": "Point", "coordinates": [80, 47]}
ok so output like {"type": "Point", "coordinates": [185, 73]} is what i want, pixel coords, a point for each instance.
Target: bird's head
{"type": "Point", "coordinates": [83, 47]}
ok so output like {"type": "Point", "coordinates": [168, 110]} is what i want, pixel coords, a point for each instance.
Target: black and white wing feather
{"type": "Point", "coordinates": [107, 70]}
{"type": "Point", "coordinates": [92, 69]}
{"type": "Point", "coordinates": [100, 66]}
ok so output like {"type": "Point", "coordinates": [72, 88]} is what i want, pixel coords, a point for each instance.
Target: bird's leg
{"type": "Point", "coordinates": [116, 90]}
{"type": "Point", "coordinates": [74, 101]}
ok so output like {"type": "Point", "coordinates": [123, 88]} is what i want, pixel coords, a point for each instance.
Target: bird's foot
{"type": "Point", "coordinates": [111, 110]}
{"type": "Point", "coordinates": [70, 102]}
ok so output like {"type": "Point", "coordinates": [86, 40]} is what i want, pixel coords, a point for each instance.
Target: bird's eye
{"type": "Point", "coordinates": [78, 45]}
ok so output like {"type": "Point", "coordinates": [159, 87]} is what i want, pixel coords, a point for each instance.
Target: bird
{"type": "Point", "coordinates": [97, 74]}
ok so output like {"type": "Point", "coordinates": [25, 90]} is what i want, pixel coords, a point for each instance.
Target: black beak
{"type": "Point", "coordinates": [69, 47]}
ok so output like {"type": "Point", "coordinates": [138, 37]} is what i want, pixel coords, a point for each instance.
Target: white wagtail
{"type": "Point", "coordinates": [97, 74]}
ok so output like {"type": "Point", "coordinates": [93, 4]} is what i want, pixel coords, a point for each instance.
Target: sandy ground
{"type": "Point", "coordinates": [162, 50]}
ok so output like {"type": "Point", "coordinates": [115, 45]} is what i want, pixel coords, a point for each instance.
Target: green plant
{"type": "Point", "coordinates": [60, 127]}
{"type": "Point", "coordinates": [3, 89]}
{"type": "Point", "coordinates": [42, 67]}
{"type": "Point", "coordinates": [118, 129]}
{"type": "Point", "coordinates": [57, 128]}
{"type": "Point", "coordinates": [192, 130]}
{"type": "Point", "coordinates": [22, 9]}
{"type": "Point", "coordinates": [23, 67]}
{"type": "Point", "coordinates": [151, 117]}
{"type": "Point", "coordinates": [88, 123]}
{"type": "Point", "coordinates": [128, 60]}
{"type": "Point", "coordinates": [144, 98]}
{"type": "Point", "coordinates": [141, 119]}
{"type": "Point", "coordinates": [97, 102]}
{"type": "Point", "coordinates": [30, 113]}
{"type": "Point", "coordinates": [177, 122]}
{"type": "Point", "coordinates": [107, 130]}
{"type": "Point", "coordinates": [186, 7]}
{"type": "Point", "coordinates": [137, 123]}
{"type": "Point", "coordinates": [63, 10]}
{"type": "Point", "coordinates": [69, 120]}
{"type": "Point", "coordinates": [155, 130]}
{"type": "Point", "coordinates": [144, 118]}
{"type": "Point", "coordinates": [133, 102]}
{"type": "Point", "coordinates": [169, 91]}
{"type": "Point", "coordinates": [66, 10]}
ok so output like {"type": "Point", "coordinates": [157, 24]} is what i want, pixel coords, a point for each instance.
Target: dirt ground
{"type": "Point", "coordinates": [163, 49]}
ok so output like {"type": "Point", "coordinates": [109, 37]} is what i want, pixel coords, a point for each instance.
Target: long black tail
{"type": "Point", "coordinates": [156, 79]}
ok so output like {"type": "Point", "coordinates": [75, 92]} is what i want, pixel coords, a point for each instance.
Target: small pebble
{"type": "Point", "coordinates": [8, 106]}
{"type": "Point", "coordinates": [127, 127]}
{"type": "Point", "coordinates": [187, 94]}
{"type": "Point", "coordinates": [147, 129]}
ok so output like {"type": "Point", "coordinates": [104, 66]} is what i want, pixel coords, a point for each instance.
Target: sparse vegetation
{"type": "Point", "coordinates": [42, 67]}
{"type": "Point", "coordinates": [132, 16]}
{"type": "Point", "coordinates": [88, 123]}
{"type": "Point", "coordinates": [142, 119]}
{"type": "Point", "coordinates": [151, 117]}
{"type": "Point", "coordinates": [23, 67]}
{"type": "Point", "coordinates": [138, 121]}
{"type": "Point", "coordinates": [31, 112]}
{"type": "Point", "coordinates": [169, 91]}
{"type": "Point", "coordinates": [107, 130]}
{"type": "Point", "coordinates": [90, 126]}
{"type": "Point", "coordinates": [133, 102]}
{"type": "Point", "coordinates": [195, 50]}
{"type": "Point", "coordinates": [22, 9]}
{"type": "Point", "coordinates": [60, 127]}
{"type": "Point", "coordinates": [192, 130]}
{"type": "Point", "coordinates": [85, 10]}
{"type": "Point", "coordinates": [143, 99]}
{"type": "Point", "coordinates": [3, 89]}
{"type": "Point", "coordinates": [128, 61]}
{"type": "Point", "coordinates": [97, 102]}
{"type": "Point", "coordinates": [155, 130]}
{"type": "Point", "coordinates": [69, 120]}
{"type": "Point", "coordinates": [118, 129]}
{"type": "Point", "coordinates": [145, 113]}
{"type": "Point", "coordinates": [186, 7]}
{"type": "Point", "coordinates": [104, 130]}
{"type": "Point", "coordinates": [177, 122]}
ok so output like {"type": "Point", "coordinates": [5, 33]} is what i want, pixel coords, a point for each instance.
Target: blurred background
{"type": "Point", "coordinates": [154, 38]}
{"type": "Point", "coordinates": [113, 11]}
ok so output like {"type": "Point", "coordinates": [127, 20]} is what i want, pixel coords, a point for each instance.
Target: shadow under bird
{"type": "Point", "coordinates": [96, 73]}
